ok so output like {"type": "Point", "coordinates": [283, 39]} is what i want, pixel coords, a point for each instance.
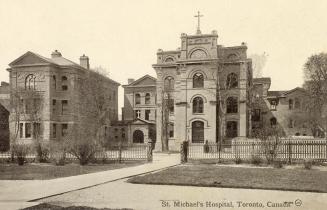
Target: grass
{"type": "Point", "coordinates": [45, 206]}
{"type": "Point", "coordinates": [238, 177]}
{"type": "Point", "coordinates": [43, 171]}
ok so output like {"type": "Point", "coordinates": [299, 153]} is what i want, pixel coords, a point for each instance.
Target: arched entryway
{"type": "Point", "coordinates": [138, 137]}
{"type": "Point", "coordinates": [197, 132]}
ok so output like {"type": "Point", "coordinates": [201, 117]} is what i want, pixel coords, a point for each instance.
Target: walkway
{"type": "Point", "coordinates": [120, 194]}
{"type": "Point", "coordinates": [21, 191]}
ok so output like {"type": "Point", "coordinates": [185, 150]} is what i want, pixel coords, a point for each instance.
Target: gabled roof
{"type": "Point", "coordinates": [35, 58]}
{"type": "Point", "coordinates": [295, 89]}
{"type": "Point", "coordinates": [141, 121]}
{"type": "Point", "coordinates": [276, 93]}
{"type": "Point", "coordinates": [150, 81]}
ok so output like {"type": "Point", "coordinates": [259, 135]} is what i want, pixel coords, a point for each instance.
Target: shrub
{"type": "Point", "coordinates": [20, 151]}
{"type": "Point", "coordinates": [58, 153]}
{"type": "Point", "coordinates": [238, 160]}
{"type": "Point", "coordinates": [278, 164]}
{"type": "Point", "coordinates": [308, 164]}
{"type": "Point", "coordinates": [42, 151]}
{"type": "Point", "coordinates": [256, 160]}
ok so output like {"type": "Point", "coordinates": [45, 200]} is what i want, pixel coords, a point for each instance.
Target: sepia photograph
{"type": "Point", "coordinates": [163, 105]}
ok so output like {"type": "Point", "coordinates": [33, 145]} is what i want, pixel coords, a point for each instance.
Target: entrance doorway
{"type": "Point", "coordinates": [138, 137]}
{"type": "Point", "coordinates": [197, 132]}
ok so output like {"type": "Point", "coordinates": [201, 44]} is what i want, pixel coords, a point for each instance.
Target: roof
{"type": "Point", "coordinates": [141, 79]}
{"type": "Point", "coordinates": [262, 80]}
{"type": "Point", "coordinates": [59, 61]}
{"type": "Point", "coordinates": [294, 89]}
{"type": "Point", "coordinates": [276, 93]}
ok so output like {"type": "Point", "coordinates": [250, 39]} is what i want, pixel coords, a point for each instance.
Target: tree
{"type": "Point", "coordinates": [315, 75]}
{"type": "Point", "coordinates": [258, 63]}
{"type": "Point", "coordinates": [86, 137]}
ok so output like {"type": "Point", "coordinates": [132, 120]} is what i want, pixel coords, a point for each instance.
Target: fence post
{"type": "Point", "coordinates": [149, 152]}
{"type": "Point", "coordinates": [119, 152]}
{"type": "Point", "coordinates": [289, 152]}
{"type": "Point", "coordinates": [184, 151]}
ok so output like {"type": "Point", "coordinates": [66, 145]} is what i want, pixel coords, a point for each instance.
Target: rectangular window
{"type": "Point", "coordinates": [147, 114]}
{"type": "Point", "coordinates": [273, 104]}
{"type": "Point", "coordinates": [64, 87]}
{"type": "Point", "coordinates": [54, 130]}
{"type": "Point", "coordinates": [171, 130]}
{"type": "Point", "coordinates": [54, 82]}
{"type": "Point", "coordinates": [28, 130]}
{"type": "Point", "coordinates": [21, 131]}
{"type": "Point", "coordinates": [64, 130]}
{"type": "Point", "coordinates": [54, 106]}
{"type": "Point", "coordinates": [36, 130]}
{"type": "Point", "coordinates": [170, 105]}
{"type": "Point", "coordinates": [64, 107]}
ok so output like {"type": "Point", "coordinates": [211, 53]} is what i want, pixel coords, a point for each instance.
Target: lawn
{"type": "Point", "coordinates": [45, 206]}
{"type": "Point", "coordinates": [238, 177]}
{"type": "Point", "coordinates": [49, 171]}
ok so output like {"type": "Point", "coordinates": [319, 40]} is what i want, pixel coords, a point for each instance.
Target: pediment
{"type": "Point", "coordinates": [29, 58]}
{"type": "Point", "coordinates": [144, 81]}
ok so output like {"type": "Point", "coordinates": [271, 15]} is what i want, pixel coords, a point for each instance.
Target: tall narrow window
{"type": "Point", "coordinates": [290, 103]}
{"type": "Point", "coordinates": [169, 83]}
{"type": "Point", "coordinates": [170, 105]}
{"type": "Point", "coordinates": [28, 130]}
{"type": "Point", "coordinates": [273, 122]}
{"type": "Point", "coordinates": [256, 115]}
{"type": "Point", "coordinates": [232, 81]}
{"type": "Point", "coordinates": [147, 114]}
{"type": "Point", "coordinates": [30, 82]}
{"type": "Point", "coordinates": [54, 82]}
{"type": "Point", "coordinates": [64, 107]}
{"type": "Point", "coordinates": [54, 130]}
{"type": "Point", "coordinates": [291, 123]}
{"type": "Point", "coordinates": [64, 83]}
{"type": "Point", "coordinates": [64, 130]}
{"type": "Point", "coordinates": [21, 131]}
{"type": "Point", "coordinates": [198, 80]}
{"type": "Point", "coordinates": [147, 98]}
{"type": "Point", "coordinates": [54, 106]}
{"type": "Point", "coordinates": [197, 105]}
{"type": "Point", "coordinates": [137, 98]}
{"type": "Point", "coordinates": [232, 105]}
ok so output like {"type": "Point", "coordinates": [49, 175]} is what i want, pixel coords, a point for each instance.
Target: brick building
{"type": "Point", "coordinates": [285, 109]}
{"type": "Point", "coordinates": [202, 91]}
{"type": "Point", "coordinates": [55, 84]}
{"type": "Point", "coordinates": [138, 114]}
{"type": "Point", "coordinates": [4, 115]}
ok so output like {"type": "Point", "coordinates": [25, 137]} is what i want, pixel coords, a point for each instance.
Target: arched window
{"type": "Point", "coordinates": [198, 80]}
{"type": "Point", "coordinates": [169, 60]}
{"type": "Point", "coordinates": [290, 103]}
{"type": "Point", "coordinates": [30, 82]}
{"type": "Point", "coordinates": [232, 105]}
{"type": "Point", "coordinates": [273, 121]}
{"type": "Point", "coordinates": [169, 83]}
{"type": "Point", "coordinates": [297, 103]}
{"type": "Point", "coordinates": [198, 54]}
{"type": "Point", "coordinates": [137, 98]}
{"type": "Point", "coordinates": [147, 98]}
{"type": "Point", "coordinates": [232, 56]}
{"type": "Point", "coordinates": [197, 105]}
{"type": "Point", "coordinates": [232, 81]}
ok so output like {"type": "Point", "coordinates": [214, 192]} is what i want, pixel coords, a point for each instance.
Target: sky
{"type": "Point", "coordinates": [123, 36]}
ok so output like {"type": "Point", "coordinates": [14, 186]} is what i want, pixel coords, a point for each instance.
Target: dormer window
{"type": "Point", "coordinates": [273, 104]}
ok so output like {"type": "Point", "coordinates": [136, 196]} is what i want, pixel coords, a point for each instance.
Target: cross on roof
{"type": "Point", "coordinates": [198, 31]}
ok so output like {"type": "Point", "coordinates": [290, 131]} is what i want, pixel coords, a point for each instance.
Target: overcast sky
{"type": "Point", "coordinates": [123, 36]}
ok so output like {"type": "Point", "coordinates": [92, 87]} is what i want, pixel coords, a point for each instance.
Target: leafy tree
{"type": "Point", "coordinates": [315, 75]}
{"type": "Point", "coordinates": [258, 63]}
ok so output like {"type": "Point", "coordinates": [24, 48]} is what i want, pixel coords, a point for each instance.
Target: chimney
{"type": "Point", "coordinates": [55, 54]}
{"type": "Point", "coordinates": [84, 61]}
{"type": "Point", "coordinates": [130, 80]}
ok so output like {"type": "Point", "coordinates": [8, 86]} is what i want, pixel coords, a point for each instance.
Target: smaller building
{"type": "Point", "coordinates": [138, 114]}
{"type": "Point", "coordinates": [285, 109]}
{"type": "Point", "coordinates": [4, 115]}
